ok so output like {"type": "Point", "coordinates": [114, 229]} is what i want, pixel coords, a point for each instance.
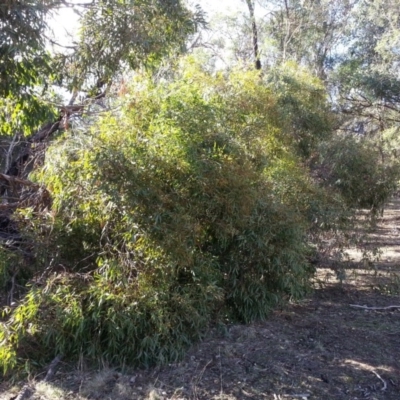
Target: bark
{"type": "Point", "coordinates": [257, 60]}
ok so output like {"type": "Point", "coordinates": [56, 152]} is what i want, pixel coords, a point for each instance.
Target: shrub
{"type": "Point", "coordinates": [355, 168]}
{"type": "Point", "coordinates": [170, 214]}
{"type": "Point", "coordinates": [303, 110]}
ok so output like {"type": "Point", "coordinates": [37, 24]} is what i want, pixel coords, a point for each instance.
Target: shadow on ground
{"type": "Point", "coordinates": [321, 348]}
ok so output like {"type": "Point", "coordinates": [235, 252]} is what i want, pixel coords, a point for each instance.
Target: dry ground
{"type": "Point", "coordinates": [321, 348]}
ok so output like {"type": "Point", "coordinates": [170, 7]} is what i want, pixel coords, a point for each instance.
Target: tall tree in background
{"type": "Point", "coordinates": [311, 32]}
{"type": "Point", "coordinates": [368, 77]}
{"type": "Point", "coordinates": [257, 60]}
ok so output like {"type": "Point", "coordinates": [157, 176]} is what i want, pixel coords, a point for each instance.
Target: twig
{"type": "Point", "coordinates": [199, 378]}
{"type": "Point", "coordinates": [220, 372]}
{"type": "Point", "coordinates": [15, 179]}
{"type": "Point", "coordinates": [10, 151]}
{"type": "Point", "coordinates": [374, 308]}
{"type": "Point", "coordinates": [393, 333]}
{"type": "Point", "coordinates": [382, 380]}
{"type": "Point", "coordinates": [11, 293]}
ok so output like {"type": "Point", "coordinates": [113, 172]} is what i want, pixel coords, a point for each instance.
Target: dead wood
{"type": "Point", "coordinates": [375, 308]}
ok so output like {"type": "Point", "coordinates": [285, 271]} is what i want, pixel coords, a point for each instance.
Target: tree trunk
{"type": "Point", "coordinates": [250, 5]}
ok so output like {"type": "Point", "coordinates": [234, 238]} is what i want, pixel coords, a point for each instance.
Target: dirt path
{"type": "Point", "coordinates": [320, 349]}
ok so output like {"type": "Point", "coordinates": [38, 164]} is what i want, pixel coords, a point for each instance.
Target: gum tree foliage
{"type": "Point", "coordinates": [353, 47]}
{"type": "Point", "coordinates": [234, 38]}
{"type": "Point", "coordinates": [22, 44]}
{"type": "Point", "coordinates": [114, 36]}
{"type": "Point", "coordinates": [124, 35]}
{"type": "Point", "coordinates": [368, 77]}
{"type": "Point", "coordinates": [227, 41]}
{"type": "Point", "coordinates": [310, 32]}
{"type": "Point", "coordinates": [188, 206]}
{"type": "Point", "coordinates": [368, 81]}
{"type": "Point", "coordinates": [24, 64]}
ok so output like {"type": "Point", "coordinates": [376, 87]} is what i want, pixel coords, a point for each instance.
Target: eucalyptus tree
{"type": "Point", "coordinates": [24, 63]}
{"type": "Point", "coordinates": [227, 41]}
{"type": "Point", "coordinates": [123, 35]}
{"type": "Point", "coordinates": [310, 32]}
{"type": "Point", "coordinates": [254, 30]}
{"type": "Point", "coordinates": [22, 44]}
{"type": "Point", "coordinates": [368, 76]}
{"type": "Point", "coordinates": [353, 46]}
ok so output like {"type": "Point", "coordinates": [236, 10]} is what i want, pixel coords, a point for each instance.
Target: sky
{"type": "Point", "coordinates": [212, 6]}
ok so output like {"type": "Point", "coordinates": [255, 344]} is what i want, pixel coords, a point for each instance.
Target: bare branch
{"type": "Point", "coordinates": [383, 381]}
{"type": "Point", "coordinates": [374, 308]}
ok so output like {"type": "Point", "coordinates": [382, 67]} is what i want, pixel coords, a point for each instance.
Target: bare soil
{"type": "Point", "coordinates": [321, 348]}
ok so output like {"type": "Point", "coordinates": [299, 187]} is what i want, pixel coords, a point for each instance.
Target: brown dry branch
{"type": "Point", "coordinates": [30, 155]}
{"type": "Point", "coordinates": [12, 180]}
{"type": "Point", "coordinates": [382, 380]}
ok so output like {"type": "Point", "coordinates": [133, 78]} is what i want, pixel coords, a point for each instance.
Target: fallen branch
{"type": "Point", "coordinates": [382, 380]}
{"type": "Point", "coordinates": [14, 179]}
{"type": "Point", "coordinates": [374, 308]}
{"type": "Point", "coordinates": [9, 206]}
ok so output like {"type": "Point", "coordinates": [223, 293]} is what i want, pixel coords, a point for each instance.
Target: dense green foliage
{"type": "Point", "coordinates": [23, 56]}
{"type": "Point", "coordinates": [24, 66]}
{"type": "Point", "coordinates": [357, 170]}
{"type": "Point", "coordinates": [114, 36]}
{"type": "Point", "coordinates": [117, 36]}
{"type": "Point", "coordinates": [173, 213]}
